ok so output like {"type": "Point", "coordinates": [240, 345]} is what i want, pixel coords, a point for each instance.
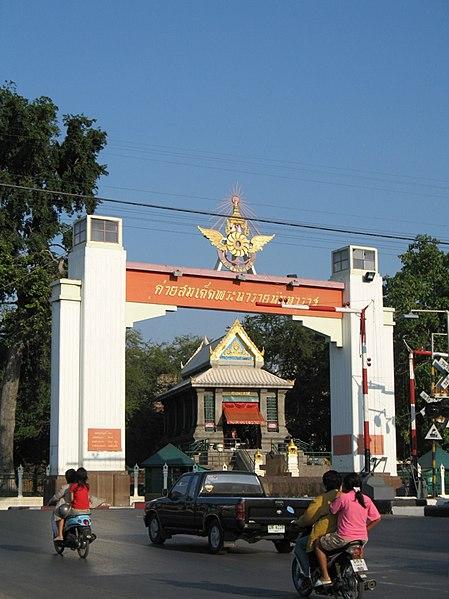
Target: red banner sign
{"type": "Point", "coordinates": [214, 290]}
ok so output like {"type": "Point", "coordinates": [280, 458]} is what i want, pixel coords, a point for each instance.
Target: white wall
{"type": "Point", "coordinates": [102, 269]}
{"type": "Point", "coordinates": [346, 373]}
{"type": "Point", "coordinates": [65, 354]}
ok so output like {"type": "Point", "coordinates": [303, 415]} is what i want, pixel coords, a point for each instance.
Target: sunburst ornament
{"type": "Point", "coordinates": [235, 248]}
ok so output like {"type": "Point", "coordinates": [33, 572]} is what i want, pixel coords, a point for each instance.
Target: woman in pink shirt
{"type": "Point", "coordinates": [356, 515]}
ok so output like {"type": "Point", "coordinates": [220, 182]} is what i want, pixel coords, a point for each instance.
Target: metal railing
{"type": "Point", "coordinates": [318, 458]}
{"type": "Point", "coordinates": [281, 446]}
{"type": "Point", "coordinates": [196, 447]}
{"type": "Point", "coordinates": [23, 482]}
{"type": "Point", "coordinates": [243, 461]}
{"type": "Point", "coordinates": [231, 443]}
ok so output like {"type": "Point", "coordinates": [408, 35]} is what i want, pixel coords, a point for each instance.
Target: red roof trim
{"type": "Point", "coordinates": [219, 274]}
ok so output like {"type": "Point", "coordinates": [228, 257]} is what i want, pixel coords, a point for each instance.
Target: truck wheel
{"type": "Point", "coordinates": [283, 546]}
{"type": "Point", "coordinates": [215, 537]}
{"type": "Point", "coordinates": [154, 531]}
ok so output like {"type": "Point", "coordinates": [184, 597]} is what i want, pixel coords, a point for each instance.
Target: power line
{"type": "Point", "coordinates": [196, 154]}
{"type": "Point", "coordinates": [134, 146]}
{"type": "Point", "coordinates": [276, 206]}
{"type": "Point", "coordinates": [134, 215]}
{"type": "Point", "coordinates": [280, 176]}
{"type": "Point", "coordinates": [216, 214]}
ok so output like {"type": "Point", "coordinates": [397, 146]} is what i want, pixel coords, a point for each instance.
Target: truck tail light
{"type": "Point", "coordinates": [240, 512]}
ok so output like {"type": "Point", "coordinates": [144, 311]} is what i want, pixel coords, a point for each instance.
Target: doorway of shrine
{"type": "Point", "coordinates": [241, 436]}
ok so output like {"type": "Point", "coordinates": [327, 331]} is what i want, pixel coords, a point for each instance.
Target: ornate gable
{"type": "Point", "coordinates": [236, 348]}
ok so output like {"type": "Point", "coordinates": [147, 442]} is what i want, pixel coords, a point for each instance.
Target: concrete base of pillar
{"type": "Point", "coordinates": [111, 487]}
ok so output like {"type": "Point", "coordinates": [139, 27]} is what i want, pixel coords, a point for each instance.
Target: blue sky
{"type": "Point", "coordinates": [331, 113]}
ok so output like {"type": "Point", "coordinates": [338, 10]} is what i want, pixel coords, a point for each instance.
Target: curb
{"type": "Point", "coordinates": [435, 511]}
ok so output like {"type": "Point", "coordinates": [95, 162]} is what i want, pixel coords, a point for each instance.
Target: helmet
{"type": "Point", "coordinates": [63, 510]}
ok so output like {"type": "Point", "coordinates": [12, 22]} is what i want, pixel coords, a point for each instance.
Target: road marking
{"type": "Point", "coordinates": [410, 586]}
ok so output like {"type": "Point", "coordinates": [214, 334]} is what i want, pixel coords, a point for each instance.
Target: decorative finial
{"type": "Point", "coordinates": [236, 250]}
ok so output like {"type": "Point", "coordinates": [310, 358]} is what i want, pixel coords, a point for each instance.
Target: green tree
{"type": "Point", "coordinates": [294, 352]}
{"type": "Point", "coordinates": [36, 153]}
{"type": "Point", "coordinates": [422, 283]}
{"type": "Point", "coordinates": [151, 368]}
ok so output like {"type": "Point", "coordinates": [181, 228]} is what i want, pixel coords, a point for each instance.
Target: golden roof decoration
{"type": "Point", "coordinates": [235, 247]}
{"type": "Point", "coordinates": [237, 345]}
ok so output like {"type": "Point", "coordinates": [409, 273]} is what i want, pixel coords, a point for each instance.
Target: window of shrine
{"type": "Point", "coordinates": [209, 410]}
{"type": "Point", "coordinates": [272, 413]}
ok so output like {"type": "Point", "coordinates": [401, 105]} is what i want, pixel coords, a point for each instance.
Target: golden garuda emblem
{"type": "Point", "coordinates": [235, 247]}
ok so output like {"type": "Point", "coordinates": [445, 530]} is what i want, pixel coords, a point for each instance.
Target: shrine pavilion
{"type": "Point", "coordinates": [226, 397]}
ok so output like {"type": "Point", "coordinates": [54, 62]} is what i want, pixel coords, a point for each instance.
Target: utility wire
{"type": "Point", "coordinates": [277, 206]}
{"type": "Point", "coordinates": [277, 176]}
{"type": "Point", "coordinates": [215, 214]}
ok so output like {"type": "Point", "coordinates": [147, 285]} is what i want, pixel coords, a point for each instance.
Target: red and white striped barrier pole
{"type": "Point", "coordinates": [317, 308]}
{"type": "Point", "coordinates": [366, 437]}
{"type": "Point", "coordinates": [412, 394]}
{"type": "Point", "coordinates": [361, 313]}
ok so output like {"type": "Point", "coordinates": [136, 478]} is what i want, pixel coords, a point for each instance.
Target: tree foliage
{"type": "Point", "coordinates": [421, 283]}
{"type": "Point", "coordinates": [36, 152]}
{"type": "Point", "coordinates": [294, 352]}
{"type": "Point", "coordinates": [151, 368]}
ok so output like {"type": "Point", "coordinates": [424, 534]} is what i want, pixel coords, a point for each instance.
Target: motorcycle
{"type": "Point", "coordinates": [78, 535]}
{"type": "Point", "coordinates": [347, 569]}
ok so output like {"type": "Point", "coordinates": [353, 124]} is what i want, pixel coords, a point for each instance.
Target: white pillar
{"type": "Point", "coordinates": [99, 261]}
{"type": "Point", "coordinates": [350, 266]}
{"type": "Point", "coordinates": [65, 352]}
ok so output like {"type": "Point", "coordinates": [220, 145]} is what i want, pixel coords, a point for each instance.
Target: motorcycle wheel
{"type": "Point", "coordinates": [83, 546]}
{"type": "Point", "coordinates": [59, 547]}
{"type": "Point", "coordinates": [298, 580]}
{"type": "Point", "coordinates": [352, 587]}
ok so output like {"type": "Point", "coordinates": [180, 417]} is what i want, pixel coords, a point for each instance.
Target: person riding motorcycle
{"type": "Point", "coordinates": [62, 497]}
{"type": "Point", "coordinates": [356, 515]}
{"type": "Point", "coordinates": [79, 501]}
{"type": "Point", "coordinates": [317, 516]}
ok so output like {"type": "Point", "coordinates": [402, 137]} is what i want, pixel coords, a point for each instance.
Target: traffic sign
{"type": "Point", "coordinates": [433, 434]}
{"type": "Point", "coordinates": [441, 365]}
{"type": "Point", "coordinates": [443, 383]}
{"type": "Point", "coordinates": [429, 399]}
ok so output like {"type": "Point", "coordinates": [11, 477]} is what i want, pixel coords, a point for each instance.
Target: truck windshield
{"type": "Point", "coordinates": [231, 484]}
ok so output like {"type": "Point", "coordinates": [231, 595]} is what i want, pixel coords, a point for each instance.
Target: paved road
{"type": "Point", "coordinates": [408, 556]}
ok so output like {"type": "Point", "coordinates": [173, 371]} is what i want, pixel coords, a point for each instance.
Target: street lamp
{"type": "Point", "coordinates": [414, 314]}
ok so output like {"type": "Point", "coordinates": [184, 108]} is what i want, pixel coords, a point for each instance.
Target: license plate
{"type": "Point", "coordinates": [276, 528]}
{"type": "Point", "coordinates": [359, 565]}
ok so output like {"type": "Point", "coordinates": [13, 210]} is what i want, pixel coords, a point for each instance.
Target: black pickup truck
{"type": "Point", "coordinates": [224, 506]}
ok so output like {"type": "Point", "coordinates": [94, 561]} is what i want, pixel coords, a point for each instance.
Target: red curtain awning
{"type": "Point", "coordinates": [242, 413]}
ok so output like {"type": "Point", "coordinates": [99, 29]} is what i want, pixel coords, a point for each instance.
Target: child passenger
{"type": "Point", "coordinates": [356, 515]}
{"type": "Point", "coordinates": [79, 500]}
